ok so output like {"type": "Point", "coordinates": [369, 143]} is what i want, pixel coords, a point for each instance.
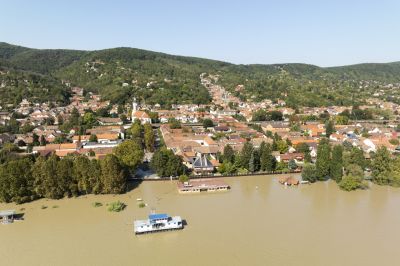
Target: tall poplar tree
{"type": "Point", "coordinates": [323, 160]}
{"type": "Point", "coordinates": [336, 168]}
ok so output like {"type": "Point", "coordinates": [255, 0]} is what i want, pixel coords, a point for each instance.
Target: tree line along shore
{"type": "Point", "coordinates": [26, 178]}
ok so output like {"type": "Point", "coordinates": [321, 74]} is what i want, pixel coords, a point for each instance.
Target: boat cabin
{"type": "Point", "coordinates": [158, 222]}
{"type": "Point", "coordinates": [158, 218]}
{"type": "Point", "coordinates": [7, 216]}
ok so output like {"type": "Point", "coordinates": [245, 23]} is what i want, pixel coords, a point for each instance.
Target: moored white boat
{"type": "Point", "coordinates": [158, 222]}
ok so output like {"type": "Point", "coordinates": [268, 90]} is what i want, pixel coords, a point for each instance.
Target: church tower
{"type": "Point", "coordinates": [135, 106]}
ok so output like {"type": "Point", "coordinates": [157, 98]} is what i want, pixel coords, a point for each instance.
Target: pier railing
{"type": "Point", "coordinates": [246, 174]}
{"type": "Point", "coordinates": [217, 175]}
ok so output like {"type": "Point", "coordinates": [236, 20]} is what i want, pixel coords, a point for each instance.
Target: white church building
{"type": "Point", "coordinates": [142, 116]}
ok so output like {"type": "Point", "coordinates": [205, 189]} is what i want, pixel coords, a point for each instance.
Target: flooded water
{"type": "Point", "coordinates": [257, 222]}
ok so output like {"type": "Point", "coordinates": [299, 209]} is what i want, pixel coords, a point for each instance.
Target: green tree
{"type": "Point", "coordinates": [309, 173]}
{"type": "Point", "coordinates": [35, 140]}
{"type": "Point", "coordinates": [350, 182]}
{"type": "Point", "coordinates": [87, 173]}
{"type": "Point", "coordinates": [275, 116]}
{"type": "Point", "coordinates": [282, 146]}
{"type": "Point", "coordinates": [183, 178]}
{"type": "Point", "coordinates": [267, 160]}
{"type": "Point", "coordinates": [394, 174]}
{"type": "Point", "coordinates": [50, 179]}
{"type": "Point", "coordinates": [227, 168]}
{"type": "Point", "coordinates": [292, 165]}
{"type": "Point", "coordinates": [229, 154]}
{"type": "Point", "coordinates": [336, 167]}
{"type": "Point", "coordinates": [354, 156]}
{"type": "Point", "coordinates": [75, 117]}
{"type": "Point", "coordinates": [354, 170]}
{"type": "Point", "coordinates": [89, 119]}
{"type": "Point", "coordinates": [323, 161]}
{"type": "Point", "coordinates": [245, 154]}
{"type": "Point", "coordinates": [136, 132]}
{"type": "Point", "coordinates": [307, 157]}
{"type": "Point", "coordinates": [208, 123]}
{"type": "Point", "coordinates": [329, 128]}
{"type": "Point", "coordinates": [16, 181]}
{"type": "Point", "coordinates": [130, 154]}
{"type": "Point", "coordinates": [65, 179]}
{"type": "Point", "coordinates": [282, 166]}
{"type": "Point", "coordinates": [174, 123]}
{"type": "Point", "coordinates": [341, 120]}
{"type": "Point", "coordinates": [166, 163]}
{"type": "Point", "coordinates": [381, 165]}
{"type": "Point", "coordinates": [113, 176]}
{"type": "Point", "coordinates": [149, 137]}
{"type": "Point", "coordinates": [254, 162]}
{"type": "Point", "coordinates": [259, 115]}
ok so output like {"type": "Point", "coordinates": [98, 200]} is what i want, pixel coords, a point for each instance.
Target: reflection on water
{"type": "Point", "coordinates": [257, 222]}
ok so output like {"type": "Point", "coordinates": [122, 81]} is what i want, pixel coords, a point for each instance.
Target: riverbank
{"type": "Point", "coordinates": [257, 222]}
{"type": "Point", "coordinates": [216, 175]}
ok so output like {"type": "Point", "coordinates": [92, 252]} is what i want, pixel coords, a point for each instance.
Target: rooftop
{"type": "Point", "coordinates": [158, 216]}
{"type": "Point", "coordinates": [7, 213]}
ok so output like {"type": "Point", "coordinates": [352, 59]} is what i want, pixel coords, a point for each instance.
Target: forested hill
{"type": "Point", "coordinates": [119, 73]}
{"type": "Point", "coordinates": [388, 72]}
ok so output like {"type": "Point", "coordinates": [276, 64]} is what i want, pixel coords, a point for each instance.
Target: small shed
{"type": "Point", "coordinates": [292, 181]}
{"type": "Point", "coordinates": [289, 181]}
{"type": "Point", "coordinates": [283, 179]}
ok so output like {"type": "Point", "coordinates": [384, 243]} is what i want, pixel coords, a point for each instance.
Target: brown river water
{"type": "Point", "coordinates": [257, 222]}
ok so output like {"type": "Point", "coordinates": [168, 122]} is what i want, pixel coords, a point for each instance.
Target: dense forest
{"type": "Point", "coordinates": [119, 73]}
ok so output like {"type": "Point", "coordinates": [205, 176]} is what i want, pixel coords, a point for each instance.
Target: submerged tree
{"type": "Point", "coordinates": [309, 173]}
{"type": "Point", "coordinates": [113, 176]}
{"type": "Point", "coordinates": [336, 167]}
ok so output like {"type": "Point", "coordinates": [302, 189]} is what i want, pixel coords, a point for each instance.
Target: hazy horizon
{"type": "Point", "coordinates": [258, 32]}
{"type": "Point", "coordinates": [282, 63]}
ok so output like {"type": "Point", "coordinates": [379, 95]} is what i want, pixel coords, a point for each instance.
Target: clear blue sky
{"type": "Point", "coordinates": [324, 33]}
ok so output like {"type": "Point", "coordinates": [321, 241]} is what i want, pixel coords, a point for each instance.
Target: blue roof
{"type": "Point", "coordinates": [158, 216]}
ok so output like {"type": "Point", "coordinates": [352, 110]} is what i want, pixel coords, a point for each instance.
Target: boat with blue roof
{"type": "Point", "coordinates": [158, 222]}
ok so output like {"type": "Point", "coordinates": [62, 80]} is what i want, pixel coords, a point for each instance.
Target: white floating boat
{"type": "Point", "coordinates": [158, 222]}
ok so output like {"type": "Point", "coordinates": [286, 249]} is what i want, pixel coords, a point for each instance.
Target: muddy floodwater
{"type": "Point", "coordinates": [257, 222]}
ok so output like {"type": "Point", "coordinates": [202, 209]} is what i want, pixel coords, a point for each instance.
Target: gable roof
{"type": "Point", "coordinates": [141, 115]}
{"type": "Point", "coordinates": [202, 162]}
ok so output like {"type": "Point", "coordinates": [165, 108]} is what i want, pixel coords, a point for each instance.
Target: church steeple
{"type": "Point", "coordinates": [135, 106]}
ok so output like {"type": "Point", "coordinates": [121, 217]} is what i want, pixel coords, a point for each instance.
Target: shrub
{"type": "Point", "coordinates": [97, 204]}
{"type": "Point", "coordinates": [309, 173]}
{"type": "Point", "coordinates": [350, 182]}
{"type": "Point", "coordinates": [142, 205]}
{"type": "Point", "coordinates": [116, 206]}
{"type": "Point", "coordinates": [183, 178]}
{"type": "Point", "coordinates": [243, 171]}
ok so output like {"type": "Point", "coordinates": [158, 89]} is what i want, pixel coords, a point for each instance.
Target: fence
{"type": "Point", "coordinates": [220, 176]}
